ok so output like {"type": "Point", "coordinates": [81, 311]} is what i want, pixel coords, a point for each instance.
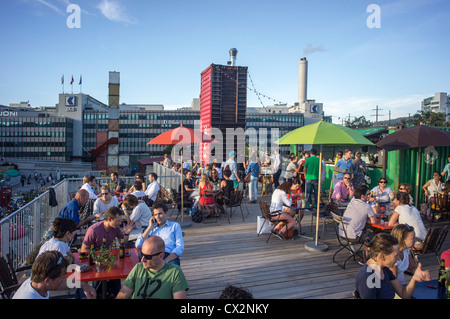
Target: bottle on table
{"type": "Point", "coordinates": [447, 294]}
{"type": "Point", "coordinates": [122, 249]}
{"type": "Point", "coordinates": [104, 241]}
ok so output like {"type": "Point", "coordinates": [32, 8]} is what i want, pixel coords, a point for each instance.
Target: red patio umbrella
{"type": "Point", "coordinates": [181, 136]}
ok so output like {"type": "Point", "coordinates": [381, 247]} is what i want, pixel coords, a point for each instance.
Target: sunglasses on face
{"type": "Point", "coordinates": [105, 194]}
{"type": "Point", "coordinates": [149, 257]}
{"type": "Point", "coordinates": [346, 177]}
{"type": "Point", "coordinates": [382, 182]}
{"type": "Point", "coordinates": [402, 189]}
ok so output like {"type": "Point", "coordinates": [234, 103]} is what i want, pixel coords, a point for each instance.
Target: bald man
{"type": "Point", "coordinates": [71, 209]}
{"type": "Point", "coordinates": [153, 278]}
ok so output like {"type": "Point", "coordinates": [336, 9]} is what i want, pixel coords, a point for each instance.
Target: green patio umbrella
{"type": "Point", "coordinates": [322, 133]}
{"type": "Point", "coordinates": [12, 173]}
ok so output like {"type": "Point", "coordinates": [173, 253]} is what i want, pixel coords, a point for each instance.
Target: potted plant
{"type": "Point", "coordinates": [102, 258]}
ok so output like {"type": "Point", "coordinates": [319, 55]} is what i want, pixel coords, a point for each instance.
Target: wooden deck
{"type": "Point", "coordinates": [219, 254]}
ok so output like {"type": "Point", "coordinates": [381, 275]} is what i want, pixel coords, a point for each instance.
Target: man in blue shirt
{"type": "Point", "coordinates": [71, 209]}
{"type": "Point", "coordinates": [344, 165]}
{"type": "Point", "coordinates": [169, 231]}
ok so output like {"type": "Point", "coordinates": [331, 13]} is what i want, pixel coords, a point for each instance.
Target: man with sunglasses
{"type": "Point", "coordinates": [169, 231]}
{"type": "Point", "coordinates": [152, 277]}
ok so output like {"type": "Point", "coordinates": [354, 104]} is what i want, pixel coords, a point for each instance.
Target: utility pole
{"type": "Point", "coordinates": [376, 114]}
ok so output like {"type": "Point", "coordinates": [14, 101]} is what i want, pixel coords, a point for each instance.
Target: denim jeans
{"type": "Point", "coordinates": [253, 188]}
{"type": "Point", "coordinates": [311, 185]}
{"type": "Point", "coordinates": [276, 178]}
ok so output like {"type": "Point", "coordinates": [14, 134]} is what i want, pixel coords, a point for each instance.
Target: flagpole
{"type": "Point", "coordinates": [62, 83]}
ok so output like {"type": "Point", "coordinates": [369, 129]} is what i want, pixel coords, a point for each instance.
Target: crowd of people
{"type": "Point", "coordinates": [142, 222]}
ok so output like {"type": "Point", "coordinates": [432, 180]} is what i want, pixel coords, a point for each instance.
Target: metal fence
{"type": "Point", "coordinates": [26, 228]}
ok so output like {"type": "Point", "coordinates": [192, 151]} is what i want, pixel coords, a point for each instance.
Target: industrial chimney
{"type": "Point", "coordinates": [233, 54]}
{"type": "Point", "coordinates": [302, 79]}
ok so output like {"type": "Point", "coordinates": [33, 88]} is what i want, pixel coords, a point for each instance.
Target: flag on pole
{"type": "Point", "coordinates": [80, 81]}
{"type": "Point", "coordinates": [62, 79]}
{"type": "Point", "coordinates": [71, 82]}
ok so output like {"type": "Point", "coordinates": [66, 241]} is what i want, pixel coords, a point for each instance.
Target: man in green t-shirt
{"type": "Point", "coordinates": [153, 278]}
{"type": "Point", "coordinates": [311, 169]}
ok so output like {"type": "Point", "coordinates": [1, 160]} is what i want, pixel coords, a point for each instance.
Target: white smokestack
{"type": "Point", "coordinates": [233, 54]}
{"type": "Point", "coordinates": [302, 79]}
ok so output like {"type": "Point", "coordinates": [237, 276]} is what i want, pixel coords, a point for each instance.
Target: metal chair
{"type": "Point", "coordinates": [433, 242]}
{"type": "Point", "coordinates": [8, 278]}
{"type": "Point", "coordinates": [235, 201]}
{"type": "Point", "coordinates": [267, 215]}
{"type": "Point", "coordinates": [341, 224]}
{"type": "Point", "coordinates": [438, 206]}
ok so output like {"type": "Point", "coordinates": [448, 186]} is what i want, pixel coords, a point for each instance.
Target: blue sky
{"type": "Point", "coordinates": [160, 49]}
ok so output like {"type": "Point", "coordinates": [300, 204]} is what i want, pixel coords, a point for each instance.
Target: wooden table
{"type": "Point", "coordinates": [119, 270]}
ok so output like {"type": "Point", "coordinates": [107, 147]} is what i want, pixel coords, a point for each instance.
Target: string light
{"type": "Point", "coordinates": [254, 90]}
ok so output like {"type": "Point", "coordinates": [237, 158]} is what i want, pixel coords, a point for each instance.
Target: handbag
{"type": "Point", "coordinates": [247, 178]}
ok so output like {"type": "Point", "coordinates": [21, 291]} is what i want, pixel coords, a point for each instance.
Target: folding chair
{"type": "Point", "coordinates": [344, 241]}
{"type": "Point", "coordinates": [236, 201]}
{"type": "Point", "coordinates": [438, 206]}
{"type": "Point", "coordinates": [8, 278]}
{"type": "Point", "coordinates": [433, 242]}
{"type": "Point", "coordinates": [208, 210]}
{"type": "Point", "coordinates": [265, 211]}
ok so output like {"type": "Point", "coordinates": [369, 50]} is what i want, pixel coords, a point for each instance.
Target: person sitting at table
{"type": "Point", "coordinates": [117, 184]}
{"type": "Point", "coordinates": [64, 230]}
{"type": "Point", "coordinates": [108, 230]}
{"type": "Point", "coordinates": [152, 189]}
{"type": "Point", "coordinates": [48, 273]}
{"type": "Point", "coordinates": [105, 201]}
{"type": "Point", "coordinates": [214, 178]}
{"type": "Point", "coordinates": [171, 282]}
{"type": "Point", "coordinates": [72, 208]}
{"type": "Point", "coordinates": [140, 179]}
{"type": "Point", "coordinates": [90, 184]}
{"type": "Point", "coordinates": [206, 199]}
{"type": "Point", "coordinates": [433, 186]}
{"type": "Point", "coordinates": [169, 231]}
{"type": "Point", "coordinates": [137, 190]}
{"type": "Point", "coordinates": [408, 214]}
{"type": "Point", "coordinates": [406, 239]}
{"type": "Point", "coordinates": [375, 280]}
{"type": "Point", "coordinates": [382, 195]}
{"type": "Point", "coordinates": [406, 188]}
{"type": "Point", "coordinates": [226, 190]}
{"type": "Point", "coordinates": [344, 190]}
{"type": "Point", "coordinates": [189, 190]}
{"type": "Point", "coordinates": [138, 212]}
{"type": "Point", "coordinates": [357, 213]}
{"type": "Point", "coordinates": [281, 204]}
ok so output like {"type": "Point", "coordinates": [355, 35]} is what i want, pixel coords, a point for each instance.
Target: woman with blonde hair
{"type": "Point", "coordinates": [406, 239]}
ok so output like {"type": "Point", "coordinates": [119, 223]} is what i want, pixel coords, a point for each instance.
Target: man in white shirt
{"type": "Point", "coordinates": [152, 189]}
{"type": "Point", "coordinates": [90, 184]}
{"type": "Point", "coordinates": [48, 273]}
{"type": "Point", "coordinates": [356, 215]}
{"type": "Point", "coordinates": [137, 212]}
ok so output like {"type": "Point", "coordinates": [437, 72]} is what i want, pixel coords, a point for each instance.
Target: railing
{"type": "Point", "coordinates": [167, 177]}
{"type": "Point", "coordinates": [26, 228]}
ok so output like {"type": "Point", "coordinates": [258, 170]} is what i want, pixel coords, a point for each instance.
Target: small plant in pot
{"type": "Point", "coordinates": [103, 258]}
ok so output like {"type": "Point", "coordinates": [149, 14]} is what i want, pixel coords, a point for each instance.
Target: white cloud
{"type": "Point", "coordinates": [51, 6]}
{"type": "Point", "coordinates": [113, 11]}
